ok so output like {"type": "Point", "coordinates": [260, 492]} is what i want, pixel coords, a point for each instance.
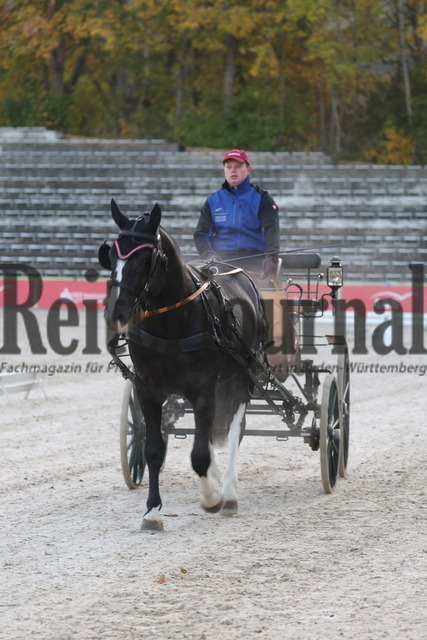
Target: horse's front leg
{"type": "Point", "coordinates": [229, 492]}
{"type": "Point", "coordinates": [203, 460]}
{"type": "Point", "coordinates": [154, 455]}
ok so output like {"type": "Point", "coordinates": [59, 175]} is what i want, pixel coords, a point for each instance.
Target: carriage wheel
{"type": "Point", "coordinates": [344, 394]}
{"type": "Point", "coordinates": [132, 438]}
{"type": "Point", "coordinates": [329, 436]}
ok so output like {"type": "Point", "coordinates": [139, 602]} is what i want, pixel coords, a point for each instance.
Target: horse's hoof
{"type": "Point", "coordinates": [229, 508]}
{"type": "Point", "coordinates": [152, 525]}
{"type": "Point", "coordinates": [151, 520]}
{"type": "Point", "coordinates": [215, 509]}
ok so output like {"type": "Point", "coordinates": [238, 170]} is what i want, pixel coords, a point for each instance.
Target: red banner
{"type": "Point", "coordinates": [79, 290]}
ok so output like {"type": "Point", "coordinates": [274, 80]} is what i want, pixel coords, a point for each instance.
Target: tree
{"type": "Point", "coordinates": [344, 76]}
{"type": "Point", "coordinates": [54, 40]}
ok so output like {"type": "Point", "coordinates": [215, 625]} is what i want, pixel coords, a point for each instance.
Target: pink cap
{"type": "Point", "coordinates": [236, 154]}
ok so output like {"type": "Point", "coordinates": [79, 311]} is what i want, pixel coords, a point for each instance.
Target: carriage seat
{"type": "Point", "coordinates": [301, 261]}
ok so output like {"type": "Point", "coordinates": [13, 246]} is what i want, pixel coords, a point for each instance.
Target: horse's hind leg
{"type": "Point", "coordinates": [229, 492]}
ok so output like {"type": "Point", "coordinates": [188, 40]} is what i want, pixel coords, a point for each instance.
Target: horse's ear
{"type": "Point", "coordinates": [119, 218]}
{"type": "Point", "coordinates": [155, 217]}
{"type": "Point", "coordinates": [104, 257]}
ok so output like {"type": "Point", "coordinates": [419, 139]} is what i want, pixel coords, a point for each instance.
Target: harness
{"type": "Point", "coordinates": [224, 331]}
{"type": "Point", "coordinates": [221, 324]}
{"type": "Point", "coordinates": [223, 334]}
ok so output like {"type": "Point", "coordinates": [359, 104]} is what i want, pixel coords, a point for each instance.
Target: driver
{"type": "Point", "coordinates": [240, 220]}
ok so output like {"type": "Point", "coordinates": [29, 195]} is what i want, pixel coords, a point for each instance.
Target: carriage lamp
{"type": "Point", "coordinates": [334, 275]}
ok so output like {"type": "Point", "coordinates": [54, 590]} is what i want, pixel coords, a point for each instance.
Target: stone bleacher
{"type": "Point", "coordinates": [55, 202]}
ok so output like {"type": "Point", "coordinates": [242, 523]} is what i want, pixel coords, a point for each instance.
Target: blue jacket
{"type": "Point", "coordinates": [238, 220]}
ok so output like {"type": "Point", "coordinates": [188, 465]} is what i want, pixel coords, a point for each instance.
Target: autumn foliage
{"type": "Point", "coordinates": [348, 77]}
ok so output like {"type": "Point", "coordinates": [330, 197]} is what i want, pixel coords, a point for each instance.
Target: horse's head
{"type": "Point", "coordinates": [137, 265]}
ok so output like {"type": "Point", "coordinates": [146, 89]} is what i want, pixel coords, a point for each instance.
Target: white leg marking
{"type": "Point", "coordinates": [153, 514]}
{"type": "Point", "coordinates": [152, 521]}
{"type": "Point", "coordinates": [211, 485]}
{"type": "Point", "coordinates": [229, 490]}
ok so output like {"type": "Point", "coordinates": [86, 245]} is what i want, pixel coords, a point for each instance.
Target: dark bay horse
{"type": "Point", "coordinates": [189, 334]}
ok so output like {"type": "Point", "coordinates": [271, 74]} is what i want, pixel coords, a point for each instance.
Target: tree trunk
{"type": "Point", "coordinates": [322, 117]}
{"type": "Point", "coordinates": [230, 71]}
{"type": "Point", "coordinates": [181, 75]}
{"type": "Point", "coordinates": [57, 64]}
{"type": "Point", "coordinates": [282, 86]}
{"type": "Point", "coordinates": [335, 130]}
{"type": "Point", "coordinates": [404, 63]}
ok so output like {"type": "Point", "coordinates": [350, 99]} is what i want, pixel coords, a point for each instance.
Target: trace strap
{"type": "Point", "coordinates": [155, 312]}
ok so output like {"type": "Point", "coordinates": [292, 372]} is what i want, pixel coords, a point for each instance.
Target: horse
{"type": "Point", "coordinates": [192, 332]}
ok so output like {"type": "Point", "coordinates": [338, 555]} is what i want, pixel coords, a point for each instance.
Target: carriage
{"type": "Point", "coordinates": [306, 400]}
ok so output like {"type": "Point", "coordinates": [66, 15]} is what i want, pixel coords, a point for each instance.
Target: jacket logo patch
{"type": "Point", "coordinates": [220, 214]}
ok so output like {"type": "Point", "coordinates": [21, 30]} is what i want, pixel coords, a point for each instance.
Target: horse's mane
{"type": "Point", "coordinates": [177, 263]}
{"type": "Point", "coordinates": [169, 245]}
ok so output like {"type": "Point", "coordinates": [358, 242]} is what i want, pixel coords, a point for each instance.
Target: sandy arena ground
{"type": "Point", "coordinates": [294, 563]}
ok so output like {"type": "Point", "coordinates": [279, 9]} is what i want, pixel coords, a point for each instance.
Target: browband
{"type": "Point", "coordinates": [137, 234]}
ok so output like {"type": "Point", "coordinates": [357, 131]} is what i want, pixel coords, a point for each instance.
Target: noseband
{"type": "Point", "coordinates": [138, 248]}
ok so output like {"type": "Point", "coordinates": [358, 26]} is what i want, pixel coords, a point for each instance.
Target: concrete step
{"type": "Point", "coordinates": [38, 140]}
{"type": "Point", "coordinates": [55, 202]}
{"type": "Point", "coordinates": [181, 183]}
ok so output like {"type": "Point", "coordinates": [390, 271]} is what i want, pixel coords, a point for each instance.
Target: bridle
{"type": "Point", "coordinates": [158, 260]}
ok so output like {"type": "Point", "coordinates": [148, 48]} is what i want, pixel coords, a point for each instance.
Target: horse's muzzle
{"type": "Point", "coordinates": [118, 310]}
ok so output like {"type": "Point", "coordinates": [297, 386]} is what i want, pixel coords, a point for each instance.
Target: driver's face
{"type": "Point", "coordinates": [236, 172]}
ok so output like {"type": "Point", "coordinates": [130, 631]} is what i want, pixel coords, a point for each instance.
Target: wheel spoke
{"type": "Point", "coordinates": [335, 446]}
